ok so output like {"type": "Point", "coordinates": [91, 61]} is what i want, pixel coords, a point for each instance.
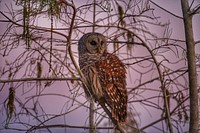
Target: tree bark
{"type": "Point", "coordinates": [91, 120]}
{"type": "Point", "coordinates": [193, 91]}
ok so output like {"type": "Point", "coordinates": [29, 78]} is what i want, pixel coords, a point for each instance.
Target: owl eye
{"type": "Point", "coordinates": [93, 43]}
{"type": "Point", "coordinates": [102, 43]}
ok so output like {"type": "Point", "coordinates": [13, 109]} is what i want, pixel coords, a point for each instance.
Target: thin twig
{"type": "Point", "coordinates": [37, 79]}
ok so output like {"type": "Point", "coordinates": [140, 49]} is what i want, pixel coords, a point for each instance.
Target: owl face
{"type": "Point", "coordinates": [92, 43]}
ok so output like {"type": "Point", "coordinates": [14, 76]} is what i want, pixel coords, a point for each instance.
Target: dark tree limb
{"type": "Point", "coordinates": [193, 90]}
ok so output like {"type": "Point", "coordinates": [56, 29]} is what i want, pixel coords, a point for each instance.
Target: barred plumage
{"type": "Point", "coordinates": [105, 73]}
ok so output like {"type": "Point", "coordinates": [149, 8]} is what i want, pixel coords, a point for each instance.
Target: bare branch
{"type": "Point", "coordinates": [38, 79]}
{"type": "Point", "coordinates": [195, 10]}
{"type": "Point", "coordinates": [166, 10]}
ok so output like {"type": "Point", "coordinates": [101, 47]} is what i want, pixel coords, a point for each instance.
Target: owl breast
{"type": "Point", "coordinates": [87, 64]}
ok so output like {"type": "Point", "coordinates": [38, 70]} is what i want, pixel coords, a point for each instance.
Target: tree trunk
{"type": "Point", "coordinates": [193, 92]}
{"type": "Point", "coordinates": [92, 126]}
{"type": "Point", "coordinates": [91, 121]}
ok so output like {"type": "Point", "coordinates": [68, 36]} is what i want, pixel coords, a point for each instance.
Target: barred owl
{"type": "Point", "coordinates": [105, 74]}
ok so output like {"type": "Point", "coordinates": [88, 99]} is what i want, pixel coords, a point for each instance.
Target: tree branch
{"type": "Point", "coordinates": [195, 10]}
{"type": "Point", "coordinates": [166, 10]}
{"type": "Point", "coordinates": [37, 79]}
{"type": "Point", "coordinates": [192, 72]}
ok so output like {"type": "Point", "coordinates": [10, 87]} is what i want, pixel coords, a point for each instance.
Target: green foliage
{"type": "Point", "coordinates": [121, 15]}
{"type": "Point", "coordinates": [120, 11]}
{"type": "Point", "coordinates": [130, 40]}
{"type": "Point", "coordinates": [116, 44]}
{"type": "Point", "coordinates": [10, 105]}
{"type": "Point", "coordinates": [53, 7]}
{"type": "Point", "coordinates": [26, 21]}
{"type": "Point", "coordinates": [182, 113]}
{"type": "Point", "coordinates": [39, 70]}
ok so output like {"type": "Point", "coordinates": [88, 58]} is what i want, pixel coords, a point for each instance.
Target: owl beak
{"type": "Point", "coordinates": [99, 50]}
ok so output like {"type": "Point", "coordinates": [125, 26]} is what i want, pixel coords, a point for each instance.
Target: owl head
{"type": "Point", "coordinates": [92, 43]}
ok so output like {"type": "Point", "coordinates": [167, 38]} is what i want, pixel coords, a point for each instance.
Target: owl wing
{"type": "Point", "coordinates": [112, 75]}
